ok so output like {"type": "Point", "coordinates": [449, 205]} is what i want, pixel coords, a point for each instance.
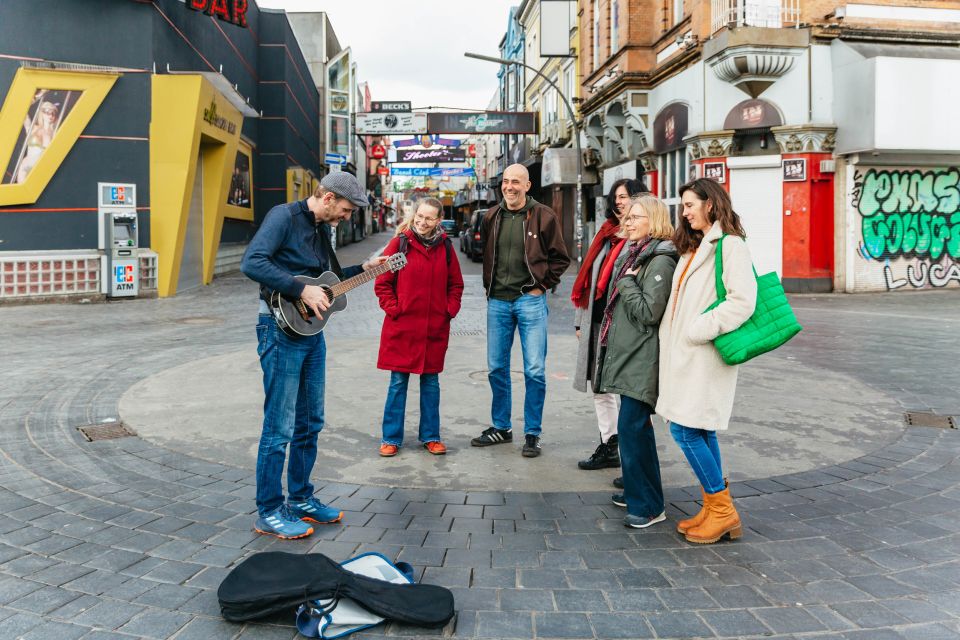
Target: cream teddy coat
{"type": "Point", "coordinates": [696, 386]}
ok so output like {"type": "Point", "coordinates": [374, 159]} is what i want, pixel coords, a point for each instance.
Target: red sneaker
{"type": "Point", "coordinates": [436, 448]}
{"type": "Point", "coordinates": [388, 450]}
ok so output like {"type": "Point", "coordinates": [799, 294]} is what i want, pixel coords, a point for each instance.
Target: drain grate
{"type": "Point", "coordinates": [920, 419]}
{"type": "Point", "coordinates": [105, 431]}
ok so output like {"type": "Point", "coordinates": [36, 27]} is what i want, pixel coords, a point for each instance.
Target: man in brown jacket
{"type": "Point", "coordinates": [523, 257]}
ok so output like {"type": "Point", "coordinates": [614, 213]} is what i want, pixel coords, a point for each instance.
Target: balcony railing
{"type": "Point", "coordinates": [773, 14]}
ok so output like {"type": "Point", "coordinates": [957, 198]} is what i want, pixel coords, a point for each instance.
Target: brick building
{"type": "Point", "coordinates": [828, 122]}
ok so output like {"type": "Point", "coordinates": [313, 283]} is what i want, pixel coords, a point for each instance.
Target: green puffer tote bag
{"type": "Point", "coordinates": [772, 324]}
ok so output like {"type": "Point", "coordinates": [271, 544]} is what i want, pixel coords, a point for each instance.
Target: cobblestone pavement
{"type": "Point", "coordinates": [124, 538]}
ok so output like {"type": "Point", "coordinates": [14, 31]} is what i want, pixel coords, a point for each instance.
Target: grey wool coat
{"type": "Point", "coordinates": [584, 320]}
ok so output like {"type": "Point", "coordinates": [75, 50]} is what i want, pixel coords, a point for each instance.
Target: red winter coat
{"type": "Point", "coordinates": [419, 300]}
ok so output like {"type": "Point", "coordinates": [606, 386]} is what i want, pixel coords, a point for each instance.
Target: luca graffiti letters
{"type": "Point", "coordinates": [910, 220]}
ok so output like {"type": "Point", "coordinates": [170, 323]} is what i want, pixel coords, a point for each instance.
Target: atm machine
{"type": "Point", "coordinates": [117, 206]}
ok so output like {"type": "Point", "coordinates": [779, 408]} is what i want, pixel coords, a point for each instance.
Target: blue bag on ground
{"type": "Point", "coordinates": [276, 581]}
{"type": "Point", "coordinates": [328, 619]}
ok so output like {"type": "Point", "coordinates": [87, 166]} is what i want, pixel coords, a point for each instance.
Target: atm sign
{"type": "Point", "coordinates": [124, 274]}
{"type": "Point", "coordinates": [118, 195]}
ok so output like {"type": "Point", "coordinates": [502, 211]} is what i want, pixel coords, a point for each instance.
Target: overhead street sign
{"type": "Point", "coordinates": [430, 171]}
{"type": "Point", "coordinates": [482, 122]}
{"type": "Point", "coordinates": [334, 158]}
{"type": "Point", "coordinates": [431, 155]}
{"type": "Point", "coordinates": [381, 106]}
{"type": "Point", "coordinates": [390, 123]}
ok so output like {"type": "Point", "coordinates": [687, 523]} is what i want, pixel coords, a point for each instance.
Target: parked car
{"type": "Point", "coordinates": [450, 227]}
{"type": "Point", "coordinates": [470, 242]}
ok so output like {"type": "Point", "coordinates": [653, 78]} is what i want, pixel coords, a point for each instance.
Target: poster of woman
{"type": "Point", "coordinates": [239, 194]}
{"type": "Point", "coordinates": [46, 113]}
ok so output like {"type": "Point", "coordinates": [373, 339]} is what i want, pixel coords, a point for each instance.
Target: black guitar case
{"type": "Point", "coordinates": [277, 581]}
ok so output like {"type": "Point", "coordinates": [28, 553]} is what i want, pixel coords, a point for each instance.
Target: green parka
{"type": "Point", "coordinates": [629, 364]}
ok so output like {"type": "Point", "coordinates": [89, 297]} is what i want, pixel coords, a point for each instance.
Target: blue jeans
{"type": "Point", "coordinates": [293, 386]}
{"type": "Point", "coordinates": [527, 313]}
{"type": "Point", "coordinates": [702, 450]}
{"type": "Point", "coordinates": [638, 458]}
{"type": "Point", "coordinates": [396, 407]}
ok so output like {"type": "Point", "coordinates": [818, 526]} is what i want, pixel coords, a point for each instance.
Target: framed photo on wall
{"type": "Point", "coordinates": [716, 171]}
{"type": "Point", "coordinates": [240, 191]}
{"type": "Point", "coordinates": [794, 169]}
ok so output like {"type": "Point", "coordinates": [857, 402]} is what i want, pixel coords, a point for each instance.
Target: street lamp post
{"type": "Point", "coordinates": [578, 219]}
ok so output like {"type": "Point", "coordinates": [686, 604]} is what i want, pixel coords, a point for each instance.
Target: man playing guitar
{"type": "Point", "coordinates": [294, 239]}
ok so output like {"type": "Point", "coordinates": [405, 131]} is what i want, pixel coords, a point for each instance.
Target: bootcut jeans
{"type": "Point", "coordinates": [294, 376]}
{"type": "Point", "coordinates": [639, 462]}
{"type": "Point", "coordinates": [396, 406]}
{"type": "Point", "coordinates": [528, 314]}
{"type": "Point", "coordinates": [702, 451]}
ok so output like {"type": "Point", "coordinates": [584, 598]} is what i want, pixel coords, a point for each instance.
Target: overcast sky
{"type": "Point", "coordinates": [413, 49]}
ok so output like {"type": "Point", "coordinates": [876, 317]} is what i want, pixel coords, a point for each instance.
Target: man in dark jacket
{"type": "Point", "coordinates": [523, 257]}
{"type": "Point", "coordinates": [294, 239]}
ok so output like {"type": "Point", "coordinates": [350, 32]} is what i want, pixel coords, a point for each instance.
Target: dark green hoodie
{"type": "Point", "coordinates": [511, 272]}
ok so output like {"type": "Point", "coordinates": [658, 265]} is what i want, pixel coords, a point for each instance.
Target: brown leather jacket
{"type": "Point", "coordinates": [545, 252]}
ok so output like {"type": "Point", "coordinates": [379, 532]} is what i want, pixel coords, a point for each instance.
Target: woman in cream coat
{"type": "Point", "coordinates": [696, 387]}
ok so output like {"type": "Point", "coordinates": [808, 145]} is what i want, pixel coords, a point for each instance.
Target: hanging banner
{"type": "Point", "coordinates": [482, 122]}
{"type": "Point", "coordinates": [431, 155]}
{"type": "Point", "coordinates": [431, 171]}
{"type": "Point", "coordinates": [390, 123]}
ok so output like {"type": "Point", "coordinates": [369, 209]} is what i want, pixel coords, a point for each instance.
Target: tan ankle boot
{"type": "Point", "coordinates": [684, 525]}
{"type": "Point", "coordinates": [722, 519]}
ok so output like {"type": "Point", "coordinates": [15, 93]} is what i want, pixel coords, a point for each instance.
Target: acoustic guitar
{"type": "Point", "coordinates": [296, 319]}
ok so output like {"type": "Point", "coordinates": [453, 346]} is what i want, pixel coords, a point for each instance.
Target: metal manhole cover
{"type": "Point", "coordinates": [201, 320]}
{"type": "Point", "coordinates": [515, 376]}
{"type": "Point", "coordinates": [920, 419]}
{"type": "Point", "coordinates": [105, 431]}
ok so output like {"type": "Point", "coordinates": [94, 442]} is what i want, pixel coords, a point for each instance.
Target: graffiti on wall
{"type": "Point", "coordinates": [910, 225]}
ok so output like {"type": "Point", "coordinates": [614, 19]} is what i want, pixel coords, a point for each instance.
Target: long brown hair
{"type": "Point", "coordinates": [685, 238]}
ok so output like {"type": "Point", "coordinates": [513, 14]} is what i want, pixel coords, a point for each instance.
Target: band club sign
{"type": "Point", "coordinates": [232, 11]}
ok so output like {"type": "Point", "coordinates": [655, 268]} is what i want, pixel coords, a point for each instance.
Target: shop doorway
{"type": "Point", "coordinates": [191, 260]}
{"type": "Point", "coordinates": [757, 195]}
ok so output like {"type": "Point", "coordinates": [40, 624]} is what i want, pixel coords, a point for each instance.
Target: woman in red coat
{"type": "Point", "coordinates": [419, 300]}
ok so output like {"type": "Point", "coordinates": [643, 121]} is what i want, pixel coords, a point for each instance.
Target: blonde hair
{"type": "Point", "coordinates": [408, 219]}
{"type": "Point", "coordinates": [656, 211]}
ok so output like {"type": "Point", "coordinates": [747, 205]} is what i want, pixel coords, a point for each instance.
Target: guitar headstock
{"type": "Point", "coordinates": [396, 262]}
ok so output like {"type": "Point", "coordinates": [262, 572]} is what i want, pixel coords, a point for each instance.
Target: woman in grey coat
{"type": "Point", "coordinates": [629, 352]}
{"type": "Point", "coordinates": [589, 297]}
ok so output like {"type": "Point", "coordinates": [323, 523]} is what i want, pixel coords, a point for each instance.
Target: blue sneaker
{"type": "Point", "coordinates": [312, 510]}
{"type": "Point", "coordinates": [282, 523]}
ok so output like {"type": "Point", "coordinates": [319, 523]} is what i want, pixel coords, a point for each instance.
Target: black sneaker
{"type": "Point", "coordinates": [619, 500]}
{"type": "Point", "coordinates": [642, 522]}
{"type": "Point", "coordinates": [606, 456]}
{"type": "Point", "coordinates": [618, 482]}
{"type": "Point", "coordinates": [531, 448]}
{"type": "Point", "coordinates": [492, 436]}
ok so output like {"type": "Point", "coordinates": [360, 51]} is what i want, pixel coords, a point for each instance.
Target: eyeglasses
{"type": "Point", "coordinates": [634, 218]}
{"type": "Point", "coordinates": [419, 218]}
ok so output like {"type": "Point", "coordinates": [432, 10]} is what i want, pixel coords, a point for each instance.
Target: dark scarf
{"type": "Point", "coordinates": [431, 241]}
{"type": "Point", "coordinates": [630, 262]}
{"type": "Point", "coordinates": [581, 286]}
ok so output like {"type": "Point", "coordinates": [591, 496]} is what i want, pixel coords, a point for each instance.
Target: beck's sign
{"type": "Point", "coordinates": [380, 106]}
{"type": "Point", "coordinates": [232, 11]}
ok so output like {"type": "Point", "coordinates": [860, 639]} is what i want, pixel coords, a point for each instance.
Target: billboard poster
{"type": "Point", "coordinates": [431, 171]}
{"type": "Point", "coordinates": [41, 123]}
{"type": "Point", "coordinates": [239, 194]}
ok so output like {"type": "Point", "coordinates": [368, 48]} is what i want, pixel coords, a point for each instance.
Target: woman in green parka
{"type": "Point", "coordinates": [628, 363]}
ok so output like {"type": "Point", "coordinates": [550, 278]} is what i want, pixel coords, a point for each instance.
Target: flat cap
{"type": "Point", "coordinates": [346, 186]}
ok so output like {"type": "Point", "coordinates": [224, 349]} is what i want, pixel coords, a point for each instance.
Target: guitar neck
{"type": "Point", "coordinates": [352, 283]}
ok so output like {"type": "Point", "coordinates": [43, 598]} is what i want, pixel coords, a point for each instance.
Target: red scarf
{"type": "Point", "coordinates": [580, 296]}
{"type": "Point", "coordinates": [616, 244]}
